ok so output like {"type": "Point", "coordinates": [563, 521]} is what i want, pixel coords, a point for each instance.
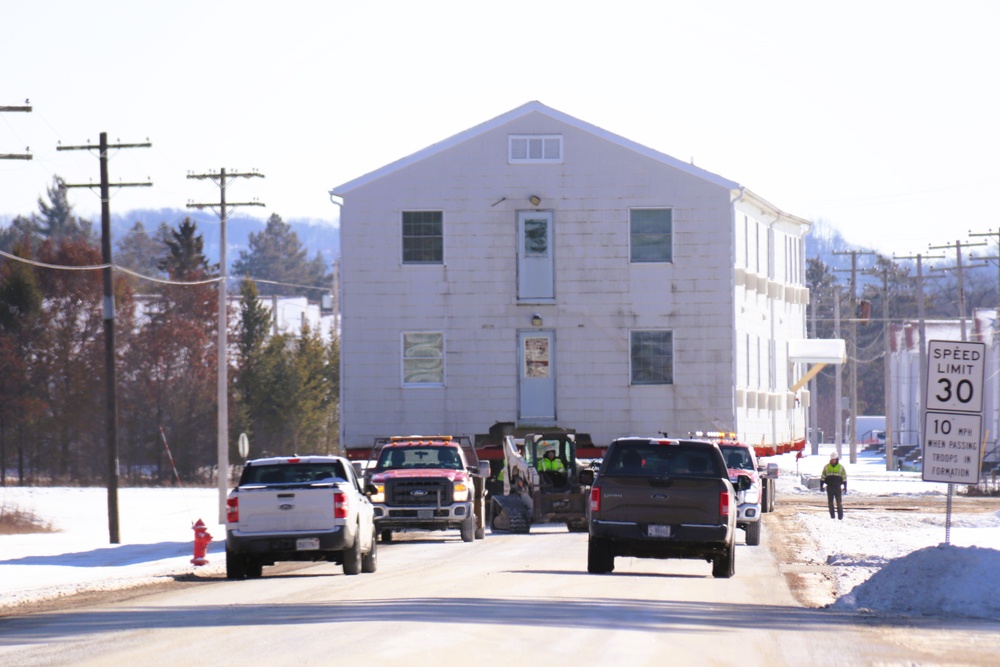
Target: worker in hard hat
{"type": "Point", "coordinates": [834, 478]}
{"type": "Point", "coordinates": [551, 468]}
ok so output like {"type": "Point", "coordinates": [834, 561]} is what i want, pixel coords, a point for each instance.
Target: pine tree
{"type": "Point", "coordinates": [277, 255]}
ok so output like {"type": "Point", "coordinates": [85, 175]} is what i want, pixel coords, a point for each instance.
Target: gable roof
{"type": "Point", "coordinates": [524, 110]}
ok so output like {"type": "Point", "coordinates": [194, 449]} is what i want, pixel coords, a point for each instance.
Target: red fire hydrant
{"type": "Point", "coordinates": [201, 540]}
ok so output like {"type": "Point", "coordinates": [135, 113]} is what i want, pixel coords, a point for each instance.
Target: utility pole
{"type": "Point", "coordinates": [813, 432]}
{"type": "Point", "coordinates": [994, 421]}
{"type": "Point", "coordinates": [887, 371]}
{"type": "Point", "coordinates": [922, 335]}
{"type": "Point", "coordinates": [222, 179]}
{"type": "Point", "coordinates": [111, 401]}
{"type": "Point", "coordinates": [838, 382]}
{"type": "Point", "coordinates": [959, 268]}
{"type": "Point", "coordinates": [852, 351]}
{"type": "Point", "coordinates": [26, 107]}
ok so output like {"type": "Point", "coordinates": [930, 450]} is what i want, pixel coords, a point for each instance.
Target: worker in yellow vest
{"type": "Point", "coordinates": [834, 478]}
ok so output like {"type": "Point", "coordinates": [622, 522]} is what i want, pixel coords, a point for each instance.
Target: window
{"type": "Point", "coordinates": [652, 357]}
{"type": "Point", "coordinates": [423, 359]}
{"type": "Point", "coordinates": [423, 237]}
{"type": "Point", "coordinates": [534, 148]}
{"type": "Point", "coordinates": [650, 231]}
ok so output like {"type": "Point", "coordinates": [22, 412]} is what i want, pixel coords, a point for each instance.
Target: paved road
{"type": "Point", "coordinates": [506, 600]}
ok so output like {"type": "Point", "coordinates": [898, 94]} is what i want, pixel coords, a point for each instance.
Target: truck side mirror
{"type": "Point", "coordinates": [771, 472]}
{"type": "Point", "coordinates": [587, 477]}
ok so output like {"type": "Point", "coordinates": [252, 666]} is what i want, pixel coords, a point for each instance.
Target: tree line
{"type": "Point", "coordinates": [283, 387]}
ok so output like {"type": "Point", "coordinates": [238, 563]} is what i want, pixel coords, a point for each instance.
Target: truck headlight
{"type": "Point", "coordinates": [379, 495]}
{"type": "Point", "coordinates": [752, 495]}
{"type": "Point", "coordinates": [461, 492]}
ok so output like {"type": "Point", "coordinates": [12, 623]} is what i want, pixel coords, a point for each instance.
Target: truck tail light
{"type": "Point", "coordinates": [595, 499]}
{"type": "Point", "coordinates": [340, 505]}
{"type": "Point", "coordinates": [724, 503]}
{"type": "Point", "coordinates": [232, 510]}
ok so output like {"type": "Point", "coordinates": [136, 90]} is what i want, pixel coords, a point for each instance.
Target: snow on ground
{"type": "Point", "coordinates": [889, 562]}
{"type": "Point", "coordinates": [155, 531]}
{"type": "Point", "coordinates": [897, 561]}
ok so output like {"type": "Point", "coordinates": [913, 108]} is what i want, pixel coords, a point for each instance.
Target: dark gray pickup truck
{"type": "Point", "coordinates": [663, 498]}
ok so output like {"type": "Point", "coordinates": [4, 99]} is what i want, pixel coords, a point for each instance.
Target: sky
{"type": "Point", "coordinates": [876, 556]}
{"type": "Point", "coordinates": [878, 119]}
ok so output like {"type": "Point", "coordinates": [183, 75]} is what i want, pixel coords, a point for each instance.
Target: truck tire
{"type": "Point", "coordinates": [753, 533]}
{"type": "Point", "coordinates": [235, 567]}
{"type": "Point", "coordinates": [369, 561]}
{"type": "Point", "coordinates": [724, 566]}
{"type": "Point", "coordinates": [600, 560]}
{"type": "Point", "coordinates": [387, 535]}
{"type": "Point", "coordinates": [469, 528]}
{"type": "Point", "coordinates": [352, 556]}
{"type": "Point", "coordinates": [253, 567]}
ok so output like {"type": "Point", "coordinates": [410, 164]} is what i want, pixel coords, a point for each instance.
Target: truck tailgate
{"type": "Point", "coordinates": [269, 510]}
{"type": "Point", "coordinates": [660, 500]}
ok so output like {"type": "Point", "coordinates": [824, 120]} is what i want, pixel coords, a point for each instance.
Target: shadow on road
{"type": "Point", "coordinates": [663, 616]}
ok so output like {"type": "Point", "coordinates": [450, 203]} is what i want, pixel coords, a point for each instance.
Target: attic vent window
{"type": "Point", "coordinates": [534, 148]}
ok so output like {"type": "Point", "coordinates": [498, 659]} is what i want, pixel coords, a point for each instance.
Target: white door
{"type": "Point", "coordinates": [537, 395]}
{"type": "Point", "coordinates": [535, 259]}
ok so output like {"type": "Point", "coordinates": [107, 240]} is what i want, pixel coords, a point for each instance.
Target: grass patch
{"type": "Point", "coordinates": [18, 522]}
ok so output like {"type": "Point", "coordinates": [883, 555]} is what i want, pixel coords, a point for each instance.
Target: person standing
{"type": "Point", "coordinates": [834, 477]}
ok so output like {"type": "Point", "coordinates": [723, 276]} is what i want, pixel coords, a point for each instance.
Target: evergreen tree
{"type": "Point", "coordinates": [251, 338]}
{"type": "Point", "coordinates": [185, 258]}
{"type": "Point", "coordinates": [142, 253]}
{"type": "Point", "coordinates": [277, 255]}
{"type": "Point", "coordinates": [56, 221]}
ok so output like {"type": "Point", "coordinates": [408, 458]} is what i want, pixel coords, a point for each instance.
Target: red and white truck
{"type": "Point", "coordinates": [428, 483]}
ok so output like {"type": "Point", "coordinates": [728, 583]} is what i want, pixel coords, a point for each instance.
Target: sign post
{"type": "Point", "coordinates": [953, 417]}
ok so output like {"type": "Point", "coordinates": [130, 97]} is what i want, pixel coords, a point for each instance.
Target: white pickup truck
{"type": "Point", "coordinates": [299, 508]}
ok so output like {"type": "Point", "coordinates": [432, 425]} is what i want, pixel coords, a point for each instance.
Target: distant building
{"type": "Point", "coordinates": [539, 270]}
{"type": "Point", "coordinates": [907, 397]}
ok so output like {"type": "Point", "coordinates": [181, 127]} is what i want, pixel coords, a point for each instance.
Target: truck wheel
{"type": "Point", "coordinates": [253, 567]}
{"type": "Point", "coordinates": [369, 562]}
{"type": "Point", "coordinates": [235, 568]}
{"type": "Point", "coordinates": [387, 535]}
{"type": "Point", "coordinates": [352, 556]}
{"type": "Point", "coordinates": [724, 566]}
{"type": "Point", "coordinates": [469, 528]}
{"type": "Point", "coordinates": [600, 560]}
{"type": "Point", "coordinates": [753, 533]}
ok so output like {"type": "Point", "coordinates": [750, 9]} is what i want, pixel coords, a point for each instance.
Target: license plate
{"type": "Point", "coordinates": [425, 514]}
{"type": "Point", "coordinates": [658, 531]}
{"type": "Point", "coordinates": [307, 544]}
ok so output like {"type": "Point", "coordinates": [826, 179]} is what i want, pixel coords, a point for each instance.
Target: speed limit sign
{"type": "Point", "coordinates": [955, 375]}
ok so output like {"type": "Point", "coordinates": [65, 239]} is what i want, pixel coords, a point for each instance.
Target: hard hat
{"type": "Point", "coordinates": [834, 455]}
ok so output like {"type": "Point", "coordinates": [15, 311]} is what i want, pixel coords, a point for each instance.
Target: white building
{"type": "Point", "coordinates": [539, 270]}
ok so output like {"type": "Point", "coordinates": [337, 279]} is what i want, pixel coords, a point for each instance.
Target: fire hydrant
{"type": "Point", "coordinates": [201, 540]}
